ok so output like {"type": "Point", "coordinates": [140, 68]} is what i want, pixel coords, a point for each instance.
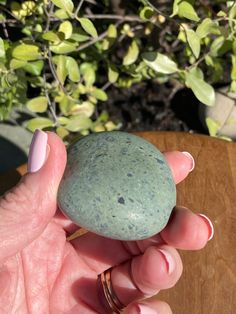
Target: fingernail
{"type": "Point", "coordinates": [38, 151]}
{"type": "Point", "coordinates": [192, 160]}
{"type": "Point", "coordinates": [209, 225]}
{"type": "Point", "coordinates": [144, 309]}
{"type": "Point", "coordinates": [170, 263]}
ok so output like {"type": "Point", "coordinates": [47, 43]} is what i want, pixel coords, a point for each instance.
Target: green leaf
{"type": "Point", "coordinates": [202, 90]}
{"type": "Point", "coordinates": [62, 70]}
{"type": "Point", "coordinates": [99, 94]}
{"type": "Point", "coordinates": [79, 35]}
{"type": "Point", "coordinates": [88, 72]}
{"type": "Point", "coordinates": [232, 12]}
{"type": "Point", "coordinates": [216, 45]}
{"type": "Point", "coordinates": [63, 120]}
{"type": "Point", "coordinates": [194, 42]}
{"type": "Point", "coordinates": [209, 61]}
{"type": "Point", "coordinates": [66, 28]}
{"type": "Point", "coordinates": [63, 48]}
{"type": "Point", "coordinates": [82, 89]}
{"type": "Point", "coordinates": [146, 13]}
{"type": "Point", "coordinates": [175, 8]}
{"type": "Point", "coordinates": [39, 123]}
{"type": "Point", "coordinates": [79, 123]}
{"type": "Point", "coordinates": [112, 31]}
{"type": "Point", "coordinates": [26, 52]}
{"type": "Point", "coordinates": [213, 126]}
{"type": "Point", "coordinates": [88, 26]}
{"type": "Point", "coordinates": [207, 27]}
{"type": "Point", "coordinates": [38, 104]}
{"type": "Point", "coordinates": [103, 117]}
{"type": "Point", "coordinates": [159, 62]}
{"type": "Point", "coordinates": [234, 46]}
{"type": "Point", "coordinates": [86, 109]}
{"type": "Point", "coordinates": [92, 99]}
{"type": "Point", "coordinates": [62, 132]}
{"type": "Point", "coordinates": [34, 67]}
{"type": "Point", "coordinates": [61, 14]}
{"type": "Point", "coordinates": [65, 104]}
{"type": "Point", "coordinates": [111, 36]}
{"type": "Point", "coordinates": [51, 36]}
{"type": "Point", "coordinates": [233, 71]}
{"type": "Point", "coordinates": [221, 13]}
{"type": "Point", "coordinates": [226, 138]}
{"type": "Point", "coordinates": [113, 73]}
{"type": "Point", "coordinates": [197, 72]}
{"type": "Point", "coordinates": [185, 9]}
{"type": "Point", "coordinates": [66, 5]}
{"type": "Point", "coordinates": [2, 16]}
{"type": "Point", "coordinates": [72, 69]}
{"type": "Point", "coordinates": [2, 49]}
{"type": "Point", "coordinates": [132, 54]}
{"type": "Point", "coordinates": [233, 87]}
{"type": "Point", "coordinates": [110, 126]}
{"type": "Point", "coordinates": [16, 64]}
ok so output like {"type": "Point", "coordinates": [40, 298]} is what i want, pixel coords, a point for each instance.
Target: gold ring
{"type": "Point", "coordinates": [105, 284]}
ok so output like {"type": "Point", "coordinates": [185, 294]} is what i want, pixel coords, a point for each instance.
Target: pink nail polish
{"type": "Point", "coordinates": [170, 263]}
{"type": "Point", "coordinates": [38, 151]}
{"type": "Point", "coordinates": [209, 225]}
{"type": "Point", "coordinates": [192, 160]}
{"type": "Point", "coordinates": [144, 309]}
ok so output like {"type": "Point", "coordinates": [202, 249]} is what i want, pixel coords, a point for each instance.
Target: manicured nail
{"type": "Point", "coordinates": [144, 309]}
{"type": "Point", "coordinates": [209, 225]}
{"type": "Point", "coordinates": [170, 263]}
{"type": "Point", "coordinates": [38, 151]}
{"type": "Point", "coordinates": [192, 160]}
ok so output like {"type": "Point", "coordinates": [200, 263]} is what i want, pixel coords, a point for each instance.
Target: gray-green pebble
{"type": "Point", "coordinates": [117, 185]}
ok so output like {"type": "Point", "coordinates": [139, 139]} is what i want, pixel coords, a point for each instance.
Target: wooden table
{"type": "Point", "coordinates": [208, 284]}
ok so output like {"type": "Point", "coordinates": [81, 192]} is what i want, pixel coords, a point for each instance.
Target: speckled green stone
{"type": "Point", "coordinates": [117, 185]}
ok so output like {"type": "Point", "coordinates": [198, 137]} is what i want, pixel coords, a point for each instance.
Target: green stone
{"type": "Point", "coordinates": [117, 185]}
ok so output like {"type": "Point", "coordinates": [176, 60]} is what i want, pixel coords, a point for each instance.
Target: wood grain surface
{"type": "Point", "coordinates": [208, 284]}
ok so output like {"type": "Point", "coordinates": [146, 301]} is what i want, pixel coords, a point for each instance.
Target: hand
{"type": "Point", "coordinates": [41, 272]}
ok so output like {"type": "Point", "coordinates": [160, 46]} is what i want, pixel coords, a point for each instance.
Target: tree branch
{"type": "Point", "coordinates": [54, 72]}
{"type": "Point", "coordinates": [51, 107]}
{"type": "Point", "coordinates": [79, 7]}
{"type": "Point", "coordinates": [95, 40]}
{"type": "Point", "coordinates": [126, 18]}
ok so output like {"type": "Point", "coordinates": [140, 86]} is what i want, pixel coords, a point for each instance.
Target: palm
{"type": "Point", "coordinates": [47, 275]}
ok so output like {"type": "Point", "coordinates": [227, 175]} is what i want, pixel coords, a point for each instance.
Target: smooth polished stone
{"type": "Point", "coordinates": [117, 185]}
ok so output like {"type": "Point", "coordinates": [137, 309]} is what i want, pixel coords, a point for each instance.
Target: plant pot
{"type": "Point", "coordinates": [14, 143]}
{"type": "Point", "coordinates": [220, 119]}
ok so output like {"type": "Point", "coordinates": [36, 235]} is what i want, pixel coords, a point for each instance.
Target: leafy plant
{"type": "Point", "coordinates": [58, 58]}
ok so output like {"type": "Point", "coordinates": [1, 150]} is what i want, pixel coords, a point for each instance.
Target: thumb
{"type": "Point", "coordinates": [26, 210]}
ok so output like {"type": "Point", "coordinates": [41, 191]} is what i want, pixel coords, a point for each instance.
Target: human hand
{"type": "Point", "coordinates": [41, 272]}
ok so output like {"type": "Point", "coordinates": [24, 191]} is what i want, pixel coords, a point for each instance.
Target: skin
{"type": "Point", "coordinates": [41, 272]}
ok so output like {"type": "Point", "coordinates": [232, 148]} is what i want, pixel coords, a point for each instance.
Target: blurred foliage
{"type": "Point", "coordinates": [59, 57]}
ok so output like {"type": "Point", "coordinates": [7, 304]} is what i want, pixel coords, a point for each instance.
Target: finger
{"type": "Point", "coordinates": [180, 163]}
{"type": "Point", "coordinates": [148, 307]}
{"type": "Point", "coordinates": [185, 230]}
{"type": "Point", "coordinates": [27, 208]}
{"type": "Point", "coordinates": [145, 275]}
